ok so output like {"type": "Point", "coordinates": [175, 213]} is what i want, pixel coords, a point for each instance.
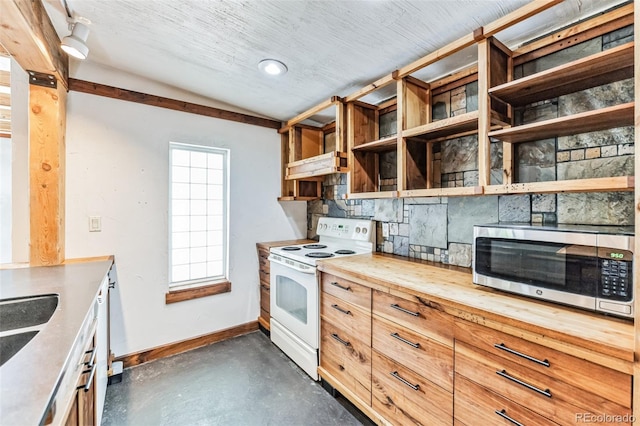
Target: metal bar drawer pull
{"type": "Point", "coordinates": [504, 374]}
{"type": "Point", "coordinates": [336, 337]}
{"type": "Point", "coordinates": [503, 414]}
{"type": "Point", "coordinates": [335, 284]}
{"type": "Point", "coordinates": [397, 336]}
{"type": "Point", "coordinates": [406, 311]}
{"type": "Point", "coordinates": [338, 308]}
{"type": "Point", "coordinates": [406, 382]}
{"type": "Point", "coordinates": [502, 347]}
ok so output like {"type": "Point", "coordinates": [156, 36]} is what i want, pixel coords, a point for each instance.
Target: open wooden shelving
{"type": "Point", "coordinates": [499, 95]}
{"type": "Point", "coordinates": [585, 122]}
{"type": "Point", "coordinates": [366, 145]}
{"type": "Point", "coordinates": [611, 65]}
{"type": "Point", "coordinates": [380, 145]}
{"type": "Point", "coordinates": [606, 184]}
{"type": "Point", "coordinates": [307, 154]}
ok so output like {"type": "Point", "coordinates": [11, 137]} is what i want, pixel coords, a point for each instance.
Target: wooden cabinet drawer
{"type": "Point", "coordinates": [263, 261]}
{"type": "Point", "coordinates": [605, 382]}
{"type": "Point", "coordinates": [347, 290]}
{"type": "Point", "coordinates": [349, 318]}
{"type": "Point", "coordinates": [404, 397]}
{"type": "Point", "coordinates": [547, 396]}
{"type": "Point", "coordinates": [420, 315]}
{"type": "Point", "coordinates": [265, 296]}
{"type": "Point", "coordinates": [347, 359]}
{"type": "Point", "coordinates": [474, 405]}
{"type": "Point", "coordinates": [429, 358]}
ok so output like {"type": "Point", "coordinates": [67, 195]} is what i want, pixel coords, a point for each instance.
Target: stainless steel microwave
{"type": "Point", "coordinates": [590, 267]}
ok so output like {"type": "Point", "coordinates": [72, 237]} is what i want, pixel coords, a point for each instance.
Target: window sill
{"type": "Point", "coordinates": [180, 295]}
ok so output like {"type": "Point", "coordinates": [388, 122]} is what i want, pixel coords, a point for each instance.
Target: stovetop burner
{"type": "Point", "coordinates": [319, 254]}
{"type": "Point", "coordinates": [290, 248]}
{"type": "Point", "coordinates": [344, 251]}
{"type": "Point", "coordinates": [314, 246]}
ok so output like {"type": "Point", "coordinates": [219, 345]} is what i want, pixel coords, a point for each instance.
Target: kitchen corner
{"type": "Point", "coordinates": [38, 382]}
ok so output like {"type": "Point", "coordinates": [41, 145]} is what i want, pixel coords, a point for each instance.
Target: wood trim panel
{"type": "Point", "coordinates": [181, 295]}
{"type": "Point", "coordinates": [575, 34]}
{"type": "Point", "coordinates": [636, 256]}
{"type": "Point", "coordinates": [47, 124]}
{"type": "Point", "coordinates": [381, 82]}
{"type": "Point", "coordinates": [28, 35]}
{"type": "Point", "coordinates": [312, 111]}
{"type": "Point", "coordinates": [89, 259]}
{"type": "Point", "coordinates": [173, 104]}
{"type": "Point", "coordinates": [5, 78]}
{"type": "Point", "coordinates": [5, 99]}
{"type": "Point", "coordinates": [185, 345]}
{"type": "Point", "coordinates": [518, 15]}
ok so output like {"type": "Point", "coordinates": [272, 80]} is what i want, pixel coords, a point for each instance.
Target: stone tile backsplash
{"type": "Point", "coordinates": [440, 229]}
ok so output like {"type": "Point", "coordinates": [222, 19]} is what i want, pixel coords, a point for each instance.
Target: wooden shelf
{"type": "Point", "coordinates": [590, 121]}
{"type": "Point", "coordinates": [454, 127]}
{"type": "Point", "coordinates": [331, 162]}
{"type": "Point", "coordinates": [381, 145]}
{"type": "Point", "coordinates": [444, 128]}
{"type": "Point", "coordinates": [443, 192]}
{"type": "Point", "coordinates": [607, 184]}
{"type": "Point", "coordinates": [605, 67]}
{"type": "Point", "coordinates": [367, 195]}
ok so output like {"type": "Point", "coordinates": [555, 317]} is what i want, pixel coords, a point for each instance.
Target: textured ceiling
{"type": "Point", "coordinates": [332, 47]}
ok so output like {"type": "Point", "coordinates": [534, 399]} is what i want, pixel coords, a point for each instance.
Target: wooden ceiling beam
{"type": "Point", "coordinates": [158, 101]}
{"type": "Point", "coordinates": [29, 37]}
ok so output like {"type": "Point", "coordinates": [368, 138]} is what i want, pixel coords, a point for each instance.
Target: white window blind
{"type": "Point", "coordinates": [198, 214]}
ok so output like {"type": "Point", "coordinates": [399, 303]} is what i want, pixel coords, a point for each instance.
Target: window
{"type": "Point", "coordinates": [198, 207]}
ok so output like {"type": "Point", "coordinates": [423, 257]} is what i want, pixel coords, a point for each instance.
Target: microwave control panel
{"type": "Point", "coordinates": [616, 274]}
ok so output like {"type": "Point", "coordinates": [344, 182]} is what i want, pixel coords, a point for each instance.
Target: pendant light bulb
{"type": "Point", "coordinates": [75, 44]}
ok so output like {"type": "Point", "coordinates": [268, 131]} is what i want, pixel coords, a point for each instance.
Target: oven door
{"type": "Point", "coordinates": [294, 298]}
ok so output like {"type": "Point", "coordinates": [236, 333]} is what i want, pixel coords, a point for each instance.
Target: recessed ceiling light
{"type": "Point", "coordinates": [272, 67]}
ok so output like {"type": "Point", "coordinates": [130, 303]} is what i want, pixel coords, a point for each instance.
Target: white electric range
{"type": "Point", "coordinates": [295, 286]}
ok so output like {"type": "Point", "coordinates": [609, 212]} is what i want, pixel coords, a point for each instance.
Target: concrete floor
{"type": "Point", "coordinates": [242, 381]}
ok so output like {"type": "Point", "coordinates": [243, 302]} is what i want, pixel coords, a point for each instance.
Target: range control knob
{"type": "Point", "coordinates": [357, 229]}
{"type": "Point", "coordinates": [364, 231]}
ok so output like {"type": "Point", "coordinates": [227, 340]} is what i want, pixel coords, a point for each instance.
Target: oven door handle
{"type": "Point", "coordinates": [294, 265]}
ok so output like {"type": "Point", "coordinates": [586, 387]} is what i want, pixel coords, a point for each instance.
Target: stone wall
{"type": "Point", "coordinates": [441, 229]}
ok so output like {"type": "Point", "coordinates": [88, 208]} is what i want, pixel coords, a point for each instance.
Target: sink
{"type": "Point", "coordinates": [26, 311]}
{"type": "Point", "coordinates": [20, 321]}
{"type": "Point", "coordinates": [11, 344]}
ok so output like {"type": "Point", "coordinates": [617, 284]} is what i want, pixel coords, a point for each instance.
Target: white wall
{"type": "Point", "coordinates": [117, 168]}
{"type": "Point", "coordinates": [19, 164]}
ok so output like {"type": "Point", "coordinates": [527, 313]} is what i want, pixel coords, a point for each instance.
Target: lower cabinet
{"type": "Point", "coordinates": [83, 407]}
{"type": "Point", "coordinates": [523, 381]}
{"type": "Point", "coordinates": [345, 335]}
{"type": "Point", "coordinates": [412, 371]}
{"type": "Point", "coordinates": [403, 360]}
{"type": "Point", "coordinates": [265, 288]}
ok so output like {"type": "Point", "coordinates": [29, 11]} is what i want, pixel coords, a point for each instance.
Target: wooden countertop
{"type": "Point", "coordinates": [598, 338]}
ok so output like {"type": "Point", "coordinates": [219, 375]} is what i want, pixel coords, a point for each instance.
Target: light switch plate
{"type": "Point", "coordinates": [95, 223]}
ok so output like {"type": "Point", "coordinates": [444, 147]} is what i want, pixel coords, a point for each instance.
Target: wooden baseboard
{"type": "Point", "coordinates": [185, 345]}
{"type": "Point", "coordinates": [265, 323]}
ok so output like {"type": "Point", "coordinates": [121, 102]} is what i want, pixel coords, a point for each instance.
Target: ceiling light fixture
{"type": "Point", "coordinates": [272, 67]}
{"type": "Point", "coordinates": [75, 44]}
